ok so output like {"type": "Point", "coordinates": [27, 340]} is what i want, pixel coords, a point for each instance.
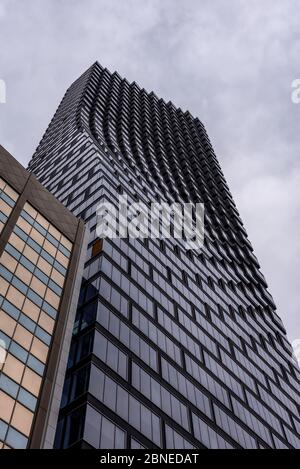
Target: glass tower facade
{"type": "Point", "coordinates": [172, 348]}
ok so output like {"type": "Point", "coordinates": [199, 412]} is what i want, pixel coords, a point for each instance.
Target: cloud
{"type": "Point", "coordinates": [2, 11]}
{"type": "Point", "coordinates": [230, 63]}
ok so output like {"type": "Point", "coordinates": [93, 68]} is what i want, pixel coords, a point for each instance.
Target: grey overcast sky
{"type": "Point", "coordinates": [231, 63]}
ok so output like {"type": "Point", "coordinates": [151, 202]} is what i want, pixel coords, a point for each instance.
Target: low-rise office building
{"type": "Point", "coordinates": [40, 272]}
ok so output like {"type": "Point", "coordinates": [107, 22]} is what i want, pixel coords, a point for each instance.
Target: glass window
{"type": "Point", "coordinates": [127, 336]}
{"type": "Point", "coordinates": [31, 309]}
{"type": "Point", "coordinates": [111, 436]}
{"type": "Point", "coordinates": [10, 309]}
{"type": "Point", "coordinates": [3, 430]}
{"type": "Point", "coordinates": [154, 391]}
{"type": "Point", "coordinates": [44, 266]}
{"type": "Point", "coordinates": [62, 259]}
{"type": "Point", "coordinates": [13, 368]}
{"type": "Point", "coordinates": [15, 297]}
{"type": "Point", "coordinates": [3, 287]}
{"type": "Point", "coordinates": [22, 419]}
{"type": "Point", "coordinates": [28, 209]}
{"type": "Point", "coordinates": [36, 365]}
{"type": "Point", "coordinates": [5, 207]}
{"type": "Point", "coordinates": [57, 277]}
{"type": "Point", "coordinates": [79, 382]}
{"type": "Point", "coordinates": [31, 381]}
{"type": "Point", "coordinates": [72, 429]}
{"type": "Point", "coordinates": [30, 254]}
{"type": "Point", "coordinates": [39, 350]}
{"type": "Point", "coordinates": [6, 406]}
{"type": "Point", "coordinates": [136, 445]}
{"type": "Point", "coordinates": [27, 323]}
{"type": "Point", "coordinates": [27, 399]}
{"type": "Point", "coordinates": [110, 354]}
{"type": "Point", "coordinates": [66, 243]}
{"type": "Point", "coordinates": [15, 439]}
{"type": "Point", "coordinates": [9, 262]}
{"type": "Point", "coordinates": [43, 336]}
{"type": "Point", "coordinates": [46, 322]}
{"type": "Point", "coordinates": [25, 226]}
{"type": "Point", "coordinates": [52, 250]}
{"type": "Point", "coordinates": [49, 310]}
{"type": "Point", "coordinates": [38, 287]}
{"type": "Point", "coordinates": [36, 236]}
{"type": "Point", "coordinates": [24, 274]}
{"type": "Point", "coordinates": [115, 397]}
{"type": "Point", "coordinates": [54, 232]}
{"type": "Point", "coordinates": [7, 324]}
{"type": "Point", "coordinates": [9, 386]}
{"type": "Point", "coordinates": [23, 337]}
{"type": "Point", "coordinates": [240, 435]}
{"type": "Point", "coordinates": [18, 351]}
{"type": "Point", "coordinates": [92, 427]}
{"type": "Point", "coordinates": [52, 298]}
{"type": "Point", "coordinates": [207, 436]}
{"type": "Point", "coordinates": [175, 441]}
{"type": "Point", "coordinates": [42, 221]}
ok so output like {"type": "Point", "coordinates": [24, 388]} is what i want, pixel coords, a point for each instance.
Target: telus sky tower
{"type": "Point", "coordinates": [172, 348]}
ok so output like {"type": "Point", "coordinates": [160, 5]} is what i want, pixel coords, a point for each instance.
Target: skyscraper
{"type": "Point", "coordinates": [172, 347]}
{"type": "Point", "coordinates": [40, 275]}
